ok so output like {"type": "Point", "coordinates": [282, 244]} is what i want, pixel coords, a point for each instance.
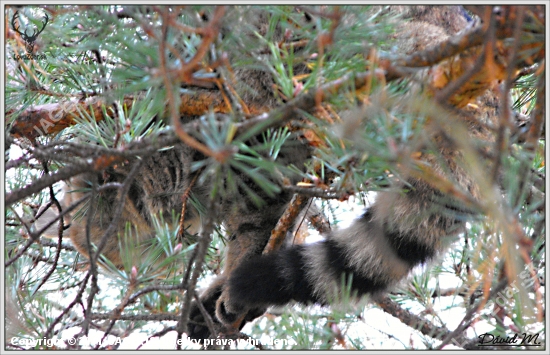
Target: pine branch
{"type": "Point", "coordinates": [97, 159]}
{"type": "Point", "coordinates": [52, 118]}
{"type": "Point", "coordinates": [426, 327]}
{"type": "Point", "coordinates": [278, 234]}
{"type": "Point", "coordinates": [35, 235]}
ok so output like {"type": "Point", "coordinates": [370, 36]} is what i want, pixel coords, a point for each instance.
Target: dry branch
{"type": "Point", "coordinates": [52, 118]}
{"type": "Point", "coordinates": [285, 223]}
{"type": "Point", "coordinates": [424, 326]}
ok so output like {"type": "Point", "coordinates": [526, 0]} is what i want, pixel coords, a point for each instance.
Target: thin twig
{"type": "Point", "coordinates": [202, 248]}
{"type": "Point", "coordinates": [206, 316]}
{"type": "Point", "coordinates": [467, 320]}
{"type": "Point", "coordinates": [76, 300]}
{"type": "Point", "coordinates": [59, 235]}
{"type": "Point", "coordinates": [90, 248]}
{"type": "Point", "coordinates": [209, 34]}
{"type": "Point", "coordinates": [505, 118]}
{"type": "Point", "coordinates": [317, 192]}
{"type": "Point", "coordinates": [158, 334]}
{"type": "Point", "coordinates": [34, 236]}
{"type": "Point", "coordinates": [115, 314]}
{"type": "Point", "coordinates": [168, 85]}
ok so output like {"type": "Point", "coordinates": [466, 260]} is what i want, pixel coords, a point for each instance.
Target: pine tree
{"type": "Point", "coordinates": [102, 85]}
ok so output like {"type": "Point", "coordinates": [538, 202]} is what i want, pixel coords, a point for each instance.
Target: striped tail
{"type": "Point", "coordinates": [398, 232]}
